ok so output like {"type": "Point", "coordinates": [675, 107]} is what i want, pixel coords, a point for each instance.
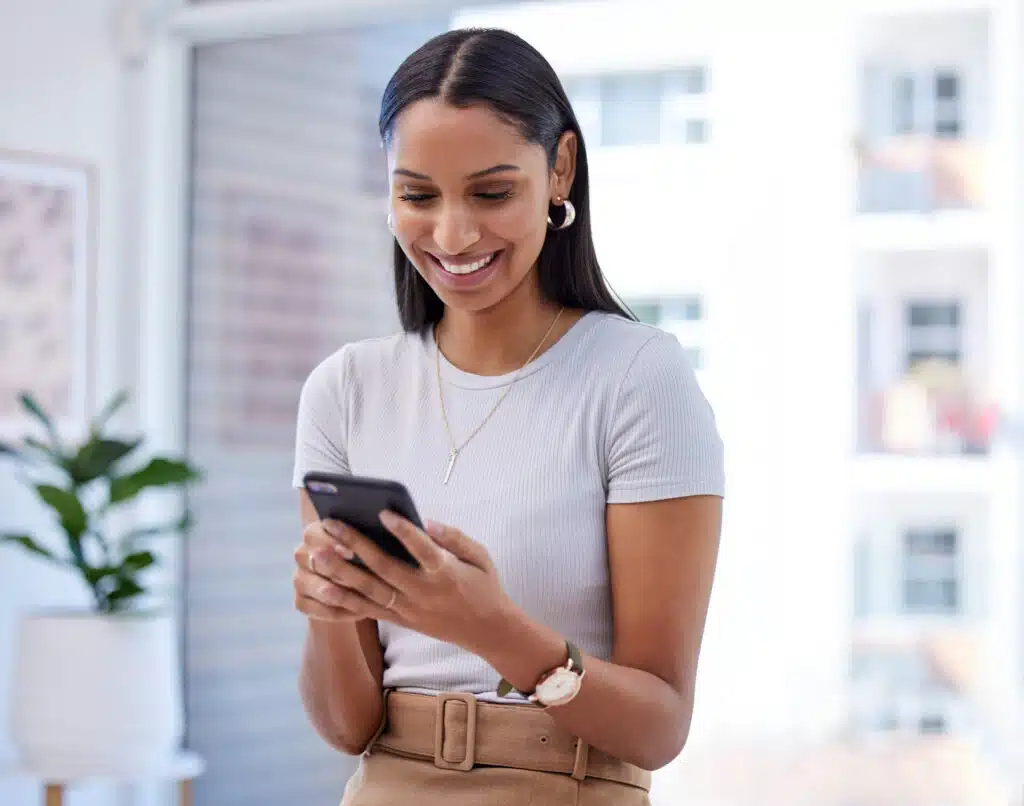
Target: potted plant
{"type": "Point", "coordinates": [96, 688]}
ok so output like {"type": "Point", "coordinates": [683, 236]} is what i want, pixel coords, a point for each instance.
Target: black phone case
{"type": "Point", "coordinates": [358, 501]}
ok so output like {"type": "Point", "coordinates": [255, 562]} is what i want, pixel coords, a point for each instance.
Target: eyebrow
{"type": "Point", "coordinates": [477, 175]}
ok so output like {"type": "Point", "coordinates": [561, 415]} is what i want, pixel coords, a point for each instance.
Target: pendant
{"type": "Point", "coordinates": [451, 463]}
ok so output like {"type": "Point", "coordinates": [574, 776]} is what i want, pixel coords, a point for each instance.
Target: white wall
{"type": "Point", "coordinates": [61, 87]}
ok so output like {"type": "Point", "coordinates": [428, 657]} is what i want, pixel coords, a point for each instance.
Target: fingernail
{"type": "Point", "coordinates": [345, 552]}
{"type": "Point", "coordinates": [334, 529]}
{"type": "Point", "coordinates": [388, 518]}
{"type": "Point", "coordinates": [434, 529]}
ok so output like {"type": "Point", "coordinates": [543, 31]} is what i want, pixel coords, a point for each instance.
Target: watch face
{"type": "Point", "coordinates": [563, 683]}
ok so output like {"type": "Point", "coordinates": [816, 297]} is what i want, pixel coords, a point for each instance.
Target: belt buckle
{"type": "Point", "coordinates": [470, 759]}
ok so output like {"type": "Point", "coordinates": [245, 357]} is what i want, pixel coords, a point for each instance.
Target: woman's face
{"type": "Point", "coordinates": [469, 200]}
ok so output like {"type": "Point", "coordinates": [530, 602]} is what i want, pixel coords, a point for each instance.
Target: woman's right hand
{"type": "Point", "coordinates": [326, 580]}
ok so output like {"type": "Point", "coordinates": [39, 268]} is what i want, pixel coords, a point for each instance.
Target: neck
{"type": "Point", "coordinates": [499, 340]}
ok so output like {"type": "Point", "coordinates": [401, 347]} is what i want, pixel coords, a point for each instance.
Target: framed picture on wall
{"type": "Point", "coordinates": [47, 278]}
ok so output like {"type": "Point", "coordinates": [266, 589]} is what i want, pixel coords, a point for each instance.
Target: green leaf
{"type": "Point", "coordinates": [159, 472]}
{"type": "Point", "coordinates": [96, 575]}
{"type": "Point", "coordinates": [66, 504]}
{"type": "Point", "coordinates": [97, 456]}
{"type": "Point", "coordinates": [112, 407]}
{"type": "Point", "coordinates": [126, 589]}
{"type": "Point", "coordinates": [139, 560]}
{"type": "Point", "coordinates": [29, 545]}
{"type": "Point", "coordinates": [31, 405]}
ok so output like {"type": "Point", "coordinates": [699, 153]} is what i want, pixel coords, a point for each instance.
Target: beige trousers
{"type": "Point", "coordinates": [450, 750]}
{"type": "Point", "coordinates": [384, 779]}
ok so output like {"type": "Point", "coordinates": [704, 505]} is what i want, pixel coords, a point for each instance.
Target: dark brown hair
{"type": "Point", "coordinates": [502, 71]}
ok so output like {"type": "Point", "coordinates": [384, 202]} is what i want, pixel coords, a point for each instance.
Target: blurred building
{"type": "Point", "coordinates": [826, 211]}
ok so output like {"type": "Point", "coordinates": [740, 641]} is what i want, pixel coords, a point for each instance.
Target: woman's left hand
{"type": "Point", "coordinates": [454, 596]}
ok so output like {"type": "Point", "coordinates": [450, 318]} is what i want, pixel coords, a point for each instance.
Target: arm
{"type": "Point", "coordinates": [638, 706]}
{"type": "Point", "coordinates": [666, 480]}
{"type": "Point", "coordinates": [342, 667]}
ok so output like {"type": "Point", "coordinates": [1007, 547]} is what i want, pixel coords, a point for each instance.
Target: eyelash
{"type": "Point", "coordinates": [420, 198]}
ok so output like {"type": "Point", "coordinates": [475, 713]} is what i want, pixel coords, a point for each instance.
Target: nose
{"type": "Point", "coordinates": [455, 229]}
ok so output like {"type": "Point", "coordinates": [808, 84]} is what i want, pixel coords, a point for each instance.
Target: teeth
{"type": "Point", "coordinates": [467, 268]}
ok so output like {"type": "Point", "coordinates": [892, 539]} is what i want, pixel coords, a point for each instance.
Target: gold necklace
{"type": "Point", "coordinates": [455, 449]}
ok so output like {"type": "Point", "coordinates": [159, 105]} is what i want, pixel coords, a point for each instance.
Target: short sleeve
{"type": "Point", "coordinates": [321, 420]}
{"type": "Point", "coordinates": [663, 441]}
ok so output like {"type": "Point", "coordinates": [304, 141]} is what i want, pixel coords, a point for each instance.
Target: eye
{"type": "Point", "coordinates": [503, 195]}
{"type": "Point", "coordinates": [416, 198]}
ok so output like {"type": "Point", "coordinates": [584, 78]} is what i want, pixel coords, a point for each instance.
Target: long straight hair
{"type": "Point", "coordinates": [500, 70]}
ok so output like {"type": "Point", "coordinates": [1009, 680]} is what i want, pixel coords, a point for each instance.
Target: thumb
{"type": "Point", "coordinates": [463, 547]}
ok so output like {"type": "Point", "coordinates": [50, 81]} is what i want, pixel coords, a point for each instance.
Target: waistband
{"type": "Point", "coordinates": [455, 731]}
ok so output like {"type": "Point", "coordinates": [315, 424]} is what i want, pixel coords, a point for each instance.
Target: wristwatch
{"type": "Point", "coordinates": [558, 686]}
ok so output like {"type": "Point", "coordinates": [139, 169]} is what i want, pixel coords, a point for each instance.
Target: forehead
{"type": "Point", "coordinates": [446, 142]}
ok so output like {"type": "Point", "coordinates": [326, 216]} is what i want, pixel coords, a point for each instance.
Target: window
{"type": "Point", "coordinates": [682, 316]}
{"type": "Point", "coordinates": [933, 330]}
{"type": "Point", "coordinates": [931, 571]}
{"type": "Point", "coordinates": [896, 690]}
{"type": "Point", "coordinates": [684, 106]}
{"type": "Point", "coordinates": [903, 117]}
{"type": "Point", "coordinates": [629, 109]}
{"type": "Point", "coordinates": [926, 102]}
{"type": "Point", "coordinates": [948, 113]}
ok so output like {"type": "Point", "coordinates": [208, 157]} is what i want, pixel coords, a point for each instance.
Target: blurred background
{"type": "Point", "coordinates": [824, 201]}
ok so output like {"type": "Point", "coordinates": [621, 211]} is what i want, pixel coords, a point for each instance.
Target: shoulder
{"type": "Point", "coordinates": [357, 363]}
{"type": "Point", "coordinates": [635, 352]}
{"type": "Point", "coordinates": [662, 440]}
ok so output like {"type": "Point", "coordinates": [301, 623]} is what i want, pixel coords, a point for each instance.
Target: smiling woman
{"type": "Point", "coordinates": [545, 646]}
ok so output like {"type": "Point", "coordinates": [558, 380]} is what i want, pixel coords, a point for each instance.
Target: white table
{"type": "Point", "coordinates": [182, 769]}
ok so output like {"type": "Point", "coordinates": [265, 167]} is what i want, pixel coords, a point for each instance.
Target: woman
{"type": "Point", "coordinates": [545, 650]}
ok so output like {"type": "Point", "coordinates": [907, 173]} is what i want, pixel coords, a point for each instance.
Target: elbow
{"type": "Point", "coordinates": [346, 745]}
{"type": "Point", "coordinates": [350, 737]}
{"type": "Point", "coordinates": [665, 747]}
{"type": "Point", "coordinates": [346, 742]}
{"type": "Point", "coordinates": [656, 757]}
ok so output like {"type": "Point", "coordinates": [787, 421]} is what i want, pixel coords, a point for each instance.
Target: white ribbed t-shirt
{"type": "Point", "coordinates": [611, 413]}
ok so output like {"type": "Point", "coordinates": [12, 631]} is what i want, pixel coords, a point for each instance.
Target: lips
{"type": "Point", "coordinates": [463, 267]}
{"type": "Point", "coordinates": [468, 271]}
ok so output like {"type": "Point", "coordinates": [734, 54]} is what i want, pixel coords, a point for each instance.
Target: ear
{"type": "Point", "coordinates": [565, 165]}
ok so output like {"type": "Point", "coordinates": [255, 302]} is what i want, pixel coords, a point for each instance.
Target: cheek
{"type": "Point", "coordinates": [518, 223]}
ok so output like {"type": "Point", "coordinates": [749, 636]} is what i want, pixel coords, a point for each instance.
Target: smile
{"type": "Point", "coordinates": [466, 268]}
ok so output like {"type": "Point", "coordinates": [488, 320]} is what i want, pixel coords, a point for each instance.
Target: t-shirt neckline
{"type": "Point", "coordinates": [467, 380]}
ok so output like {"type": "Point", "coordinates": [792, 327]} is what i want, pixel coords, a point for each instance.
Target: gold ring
{"type": "Point", "coordinates": [391, 601]}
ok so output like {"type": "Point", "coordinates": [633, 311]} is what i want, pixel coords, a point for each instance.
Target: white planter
{"type": "Point", "coordinates": [97, 692]}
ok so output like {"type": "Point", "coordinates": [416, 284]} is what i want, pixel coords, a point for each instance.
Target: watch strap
{"type": "Point", "coordinates": [505, 688]}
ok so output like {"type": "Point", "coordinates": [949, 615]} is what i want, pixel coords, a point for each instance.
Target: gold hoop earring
{"type": "Point", "coordinates": [570, 215]}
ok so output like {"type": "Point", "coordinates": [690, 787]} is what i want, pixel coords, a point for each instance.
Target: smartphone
{"type": "Point", "coordinates": [358, 501]}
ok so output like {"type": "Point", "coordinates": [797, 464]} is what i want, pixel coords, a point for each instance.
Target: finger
{"type": "Point", "coordinates": [326, 559]}
{"type": "Point", "coordinates": [396, 573]}
{"type": "Point", "coordinates": [463, 547]}
{"type": "Point", "coordinates": [321, 612]}
{"type": "Point", "coordinates": [367, 585]}
{"type": "Point", "coordinates": [357, 609]}
{"type": "Point", "coordinates": [332, 595]}
{"type": "Point", "coordinates": [427, 552]}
